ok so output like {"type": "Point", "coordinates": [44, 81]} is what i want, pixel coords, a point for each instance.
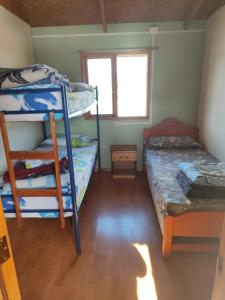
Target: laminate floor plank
{"type": "Point", "coordinates": [121, 252]}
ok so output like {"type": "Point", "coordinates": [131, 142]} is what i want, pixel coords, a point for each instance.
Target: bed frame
{"type": "Point", "coordinates": [203, 225]}
{"type": "Point", "coordinates": [46, 155]}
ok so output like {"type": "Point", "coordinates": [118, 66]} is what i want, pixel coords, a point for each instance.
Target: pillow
{"type": "Point", "coordinates": [77, 140]}
{"type": "Point", "coordinates": [80, 87]}
{"type": "Point", "coordinates": [172, 142]}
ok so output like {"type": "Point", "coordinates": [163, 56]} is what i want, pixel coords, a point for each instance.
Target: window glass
{"type": "Point", "coordinates": [132, 76]}
{"type": "Point", "coordinates": [100, 75]}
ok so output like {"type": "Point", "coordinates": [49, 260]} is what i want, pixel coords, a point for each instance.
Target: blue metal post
{"type": "Point", "coordinates": [44, 130]}
{"type": "Point", "coordinates": [75, 219]}
{"type": "Point", "coordinates": [98, 131]}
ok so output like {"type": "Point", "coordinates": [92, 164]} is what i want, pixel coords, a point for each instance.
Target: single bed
{"type": "Point", "coordinates": [185, 224]}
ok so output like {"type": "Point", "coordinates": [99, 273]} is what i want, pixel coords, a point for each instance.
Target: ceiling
{"type": "Point", "coordinates": [76, 12]}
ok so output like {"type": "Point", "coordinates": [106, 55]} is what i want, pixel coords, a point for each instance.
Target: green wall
{"type": "Point", "coordinates": [176, 71]}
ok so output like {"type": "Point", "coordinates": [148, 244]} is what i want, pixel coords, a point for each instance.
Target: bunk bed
{"type": "Point", "coordinates": [48, 103]}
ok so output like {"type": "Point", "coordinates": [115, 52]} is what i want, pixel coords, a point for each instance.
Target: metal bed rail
{"type": "Point", "coordinates": [65, 112]}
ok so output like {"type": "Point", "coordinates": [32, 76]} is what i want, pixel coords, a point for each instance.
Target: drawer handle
{"type": "Point", "coordinates": [124, 156]}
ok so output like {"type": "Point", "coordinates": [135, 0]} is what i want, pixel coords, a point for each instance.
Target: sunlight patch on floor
{"type": "Point", "coordinates": [146, 285]}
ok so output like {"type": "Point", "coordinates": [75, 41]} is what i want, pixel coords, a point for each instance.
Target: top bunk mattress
{"type": "Point", "coordinates": [39, 98]}
{"type": "Point", "coordinates": [162, 166]}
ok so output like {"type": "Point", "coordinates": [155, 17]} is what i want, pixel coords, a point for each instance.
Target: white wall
{"type": "Point", "coordinates": [16, 50]}
{"type": "Point", "coordinates": [16, 44]}
{"type": "Point", "coordinates": [212, 102]}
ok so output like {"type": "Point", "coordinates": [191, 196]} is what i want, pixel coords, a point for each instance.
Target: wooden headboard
{"type": "Point", "coordinates": [171, 127]}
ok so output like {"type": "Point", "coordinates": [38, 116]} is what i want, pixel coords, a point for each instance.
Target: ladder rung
{"type": "Point", "coordinates": [36, 193]}
{"type": "Point", "coordinates": [31, 155]}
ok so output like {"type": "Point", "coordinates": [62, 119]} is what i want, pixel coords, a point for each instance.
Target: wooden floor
{"type": "Point", "coordinates": [121, 252]}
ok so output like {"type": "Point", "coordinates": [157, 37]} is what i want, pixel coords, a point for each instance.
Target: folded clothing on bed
{"type": "Point", "coordinates": [38, 74]}
{"type": "Point", "coordinates": [202, 180]}
{"type": "Point", "coordinates": [83, 162]}
{"type": "Point", "coordinates": [21, 172]}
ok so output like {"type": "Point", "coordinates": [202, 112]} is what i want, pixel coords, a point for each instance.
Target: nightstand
{"type": "Point", "coordinates": [124, 159]}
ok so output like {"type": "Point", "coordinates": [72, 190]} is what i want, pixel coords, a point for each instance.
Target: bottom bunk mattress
{"type": "Point", "coordinates": [47, 207]}
{"type": "Point", "coordinates": [162, 166]}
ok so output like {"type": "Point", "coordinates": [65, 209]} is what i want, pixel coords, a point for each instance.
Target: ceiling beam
{"type": "Point", "coordinates": [196, 6]}
{"type": "Point", "coordinates": [103, 14]}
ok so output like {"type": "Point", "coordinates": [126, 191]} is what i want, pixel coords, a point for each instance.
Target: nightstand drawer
{"type": "Point", "coordinates": [124, 161]}
{"type": "Point", "coordinates": [123, 156]}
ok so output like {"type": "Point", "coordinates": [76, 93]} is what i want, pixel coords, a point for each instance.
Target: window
{"type": "Point", "coordinates": [123, 82]}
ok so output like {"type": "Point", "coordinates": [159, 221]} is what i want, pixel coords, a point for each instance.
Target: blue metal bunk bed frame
{"type": "Point", "coordinates": [66, 117]}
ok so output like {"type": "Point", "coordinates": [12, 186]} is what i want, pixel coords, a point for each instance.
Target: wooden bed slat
{"type": "Point", "coordinates": [48, 155]}
{"type": "Point", "coordinates": [198, 224]}
{"type": "Point", "coordinates": [37, 193]}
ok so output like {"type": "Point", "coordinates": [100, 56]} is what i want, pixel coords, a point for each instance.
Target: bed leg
{"type": "Point", "coordinates": [167, 236]}
{"type": "Point", "coordinates": [76, 232]}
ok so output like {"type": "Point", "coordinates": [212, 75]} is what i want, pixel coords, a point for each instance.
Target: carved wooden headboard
{"type": "Point", "coordinates": [171, 127]}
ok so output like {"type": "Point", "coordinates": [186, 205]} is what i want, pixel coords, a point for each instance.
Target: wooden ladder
{"type": "Point", "coordinates": [22, 155]}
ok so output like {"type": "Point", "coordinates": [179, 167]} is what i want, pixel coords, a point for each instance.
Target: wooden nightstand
{"type": "Point", "coordinates": [124, 159]}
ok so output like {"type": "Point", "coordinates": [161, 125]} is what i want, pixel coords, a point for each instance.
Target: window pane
{"type": "Point", "coordinates": [100, 75]}
{"type": "Point", "coordinates": [132, 73]}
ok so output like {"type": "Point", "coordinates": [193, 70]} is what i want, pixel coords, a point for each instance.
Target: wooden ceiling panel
{"type": "Point", "coordinates": [57, 12]}
{"type": "Point", "coordinates": [77, 12]}
{"type": "Point", "coordinates": [146, 10]}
